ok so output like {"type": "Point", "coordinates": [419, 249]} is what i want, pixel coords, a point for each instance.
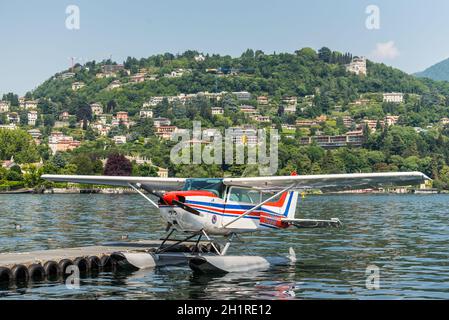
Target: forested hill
{"type": "Point", "coordinates": [305, 72]}
{"type": "Point", "coordinates": [438, 71]}
{"type": "Point", "coordinates": [331, 119]}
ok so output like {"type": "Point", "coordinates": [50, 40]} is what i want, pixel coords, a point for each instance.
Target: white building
{"type": "Point", "coordinates": [146, 113]}
{"type": "Point", "coordinates": [242, 95]}
{"type": "Point", "coordinates": [119, 139]}
{"type": "Point", "coordinates": [261, 119]}
{"type": "Point", "coordinates": [11, 126]}
{"type": "Point", "coordinates": [32, 117]}
{"type": "Point", "coordinates": [27, 104]}
{"type": "Point", "coordinates": [154, 101]}
{"type": "Point", "coordinates": [200, 58]}
{"type": "Point", "coordinates": [217, 111]}
{"type": "Point", "coordinates": [4, 106]}
{"type": "Point", "coordinates": [97, 109]}
{"type": "Point", "coordinates": [13, 117]}
{"type": "Point", "coordinates": [137, 78]}
{"type": "Point", "coordinates": [247, 109]}
{"type": "Point", "coordinates": [77, 85]}
{"type": "Point", "coordinates": [36, 135]}
{"type": "Point", "coordinates": [357, 66]}
{"type": "Point", "coordinates": [161, 122]}
{"type": "Point", "coordinates": [243, 135]}
{"type": "Point", "coordinates": [394, 97]}
{"type": "Point", "coordinates": [391, 120]}
{"type": "Point", "coordinates": [114, 85]}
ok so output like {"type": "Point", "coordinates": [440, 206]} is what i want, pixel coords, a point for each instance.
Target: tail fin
{"type": "Point", "coordinates": [286, 205]}
{"type": "Point", "coordinates": [289, 208]}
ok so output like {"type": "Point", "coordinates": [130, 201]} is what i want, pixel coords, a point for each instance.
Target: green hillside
{"type": "Point", "coordinates": [327, 95]}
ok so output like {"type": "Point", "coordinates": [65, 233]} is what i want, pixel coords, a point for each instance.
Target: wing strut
{"type": "Point", "coordinates": [258, 206]}
{"type": "Point", "coordinates": [143, 195]}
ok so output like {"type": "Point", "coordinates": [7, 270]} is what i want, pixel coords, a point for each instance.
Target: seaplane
{"type": "Point", "coordinates": [205, 208]}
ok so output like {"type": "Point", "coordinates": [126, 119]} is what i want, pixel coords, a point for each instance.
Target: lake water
{"type": "Point", "coordinates": [405, 236]}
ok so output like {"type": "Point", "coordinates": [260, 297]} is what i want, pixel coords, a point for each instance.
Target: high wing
{"type": "Point", "coordinates": [330, 182]}
{"type": "Point", "coordinates": [154, 184]}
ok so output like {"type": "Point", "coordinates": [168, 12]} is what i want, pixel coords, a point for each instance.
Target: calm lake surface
{"type": "Point", "coordinates": [405, 236]}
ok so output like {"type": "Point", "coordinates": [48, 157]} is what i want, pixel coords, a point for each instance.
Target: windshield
{"type": "Point", "coordinates": [215, 186]}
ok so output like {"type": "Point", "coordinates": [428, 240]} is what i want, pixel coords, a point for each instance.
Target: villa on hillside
{"type": "Point", "coordinates": [36, 135]}
{"type": "Point", "coordinates": [165, 132]}
{"type": "Point", "coordinates": [27, 104]}
{"type": "Point", "coordinates": [13, 117]}
{"type": "Point", "coordinates": [247, 109]}
{"type": "Point", "coordinates": [4, 106]}
{"type": "Point", "coordinates": [393, 97]}
{"type": "Point", "coordinates": [77, 85]}
{"type": "Point", "coordinates": [357, 66]}
{"type": "Point", "coordinates": [58, 142]}
{"type": "Point", "coordinates": [158, 122]}
{"type": "Point", "coordinates": [351, 138]}
{"type": "Point", "coordinates": [262, 100]}
{"type": "Point", "coordinates": [146, 113]}
{"type": "Point", "coordinates": [97, 109]}
{"type": "Point", "coordinates": [217, 111]}
{"type": "Point", "coordinates": [32, 117]}
{"type": "Point", "coordinates": [242, 95]}
{"type": "Point", "coordinates": [114, 85]}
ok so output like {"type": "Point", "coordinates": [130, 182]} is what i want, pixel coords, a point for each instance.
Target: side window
{"type": "Point", "coordinates": [266, 195]}
{"type": "Point", "coordinates": [244, 195]}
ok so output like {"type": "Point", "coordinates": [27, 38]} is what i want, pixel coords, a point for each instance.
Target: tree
{"type": "Point", "coordinates": [325, 54]}
{"type": "Point", "coordinates": [15, 174]}
{"type": "Point", "coordinates": [117, 165]}
{"type": "Point", "coordinates": [12, 98]}
{"type": "Point", "coordinates": [144, 170]}
{"type": "Point", "coordinates": [90, 134]}
{"type": "Point", "coordinates": [111, 106]}
{"type": "Point", "coordinates": [84, 112]}
{"type": "Point", "coordinates": [18, 144]}
{"type": "Point", "coordinates": [58, 160]}
{"type": "Point", "coordinates": [87, 164]}
{"type": "Point", "coordinates": [49, 120]}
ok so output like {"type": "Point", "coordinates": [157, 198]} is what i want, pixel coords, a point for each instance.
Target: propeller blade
{"type": "Point", "coordinates": [186, 207]}
{"type": "Point", "coordinates": [161, 199]}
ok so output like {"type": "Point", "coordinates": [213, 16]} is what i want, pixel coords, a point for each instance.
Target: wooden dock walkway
{"type": "Point", "coordinates": [27, 258]}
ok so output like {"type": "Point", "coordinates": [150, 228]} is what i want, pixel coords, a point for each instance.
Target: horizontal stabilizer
{"type": "Point", "coordinates": [314, 223]}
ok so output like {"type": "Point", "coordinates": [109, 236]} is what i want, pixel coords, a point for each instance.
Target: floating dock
{"type": "Point", "coordinates": [52, 264]}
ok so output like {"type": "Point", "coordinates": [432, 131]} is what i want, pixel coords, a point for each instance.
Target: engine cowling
{"type": "Point", "coordinates": [181, 195]}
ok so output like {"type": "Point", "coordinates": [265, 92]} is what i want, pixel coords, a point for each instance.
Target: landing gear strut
{"type": "Point", "coordinates": [197, 248]}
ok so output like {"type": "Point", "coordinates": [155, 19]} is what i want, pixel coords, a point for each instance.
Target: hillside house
{"type": "Point", "coordinates": [357, 66]}
{"type": "Point", "coordinates": [32, 117]}
{"type": "Point", "coordinates": [97, 109]}
{"type": "Point", "coordinates": [78, 85]}
{"type": "Point", "coordinates": [393, 97]}
{"type": "Point", "coordinates": [4, 106]}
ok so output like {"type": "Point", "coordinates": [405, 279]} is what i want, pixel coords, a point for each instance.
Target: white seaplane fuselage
{"type": "Point", "coordinates": [216, 213]}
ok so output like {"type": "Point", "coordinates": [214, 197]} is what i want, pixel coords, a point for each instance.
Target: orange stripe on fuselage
{"type": "Point", "coordinates": [278, 203]}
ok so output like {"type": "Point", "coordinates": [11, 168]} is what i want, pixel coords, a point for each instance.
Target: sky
{"type": "Point", "coordinates": [36, 43]}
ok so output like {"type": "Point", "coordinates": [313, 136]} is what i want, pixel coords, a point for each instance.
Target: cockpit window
{"type": "Point", "coordinates": [215, 186]}
{"type": "Point", "coordinates": [244, 195]}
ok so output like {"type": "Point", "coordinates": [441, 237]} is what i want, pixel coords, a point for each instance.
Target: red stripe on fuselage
{"type": "Point", "coordinates": [239, 212]}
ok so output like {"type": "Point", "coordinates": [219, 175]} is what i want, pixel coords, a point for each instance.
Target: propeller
{"type": "Point", "coordinates": [158, 195]}
{"type": "Point", "coordinates": [175, 202]}
{"type": "Point", "coordinates": [186, 207]}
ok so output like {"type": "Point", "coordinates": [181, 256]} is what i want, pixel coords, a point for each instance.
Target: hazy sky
{"type": "Point", "coordinates": [35, 42]}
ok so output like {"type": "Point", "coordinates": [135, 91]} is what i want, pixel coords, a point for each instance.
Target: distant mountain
{"type": "Point", "coordinates": [439, 71]}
